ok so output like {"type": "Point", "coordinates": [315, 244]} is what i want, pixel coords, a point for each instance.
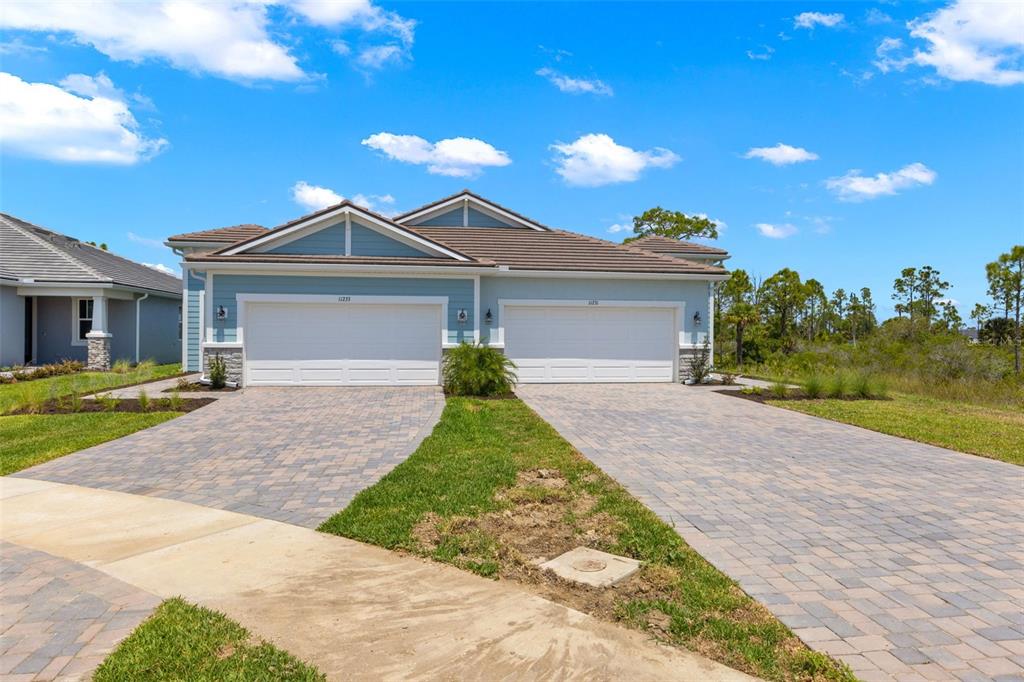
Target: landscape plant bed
{"type": "Point", "coordinates": [766, 398]}
{"type": "Point", "coordinates": [64, 406]}
{"type": "Point", "coordinates": [24, 394]}
{"type": "Point", "coordinates": [196, 387]}
{"type": "Point", "coordinates": [495, 490]}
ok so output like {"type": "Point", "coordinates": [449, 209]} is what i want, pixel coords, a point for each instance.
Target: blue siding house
{"type": "Point", "coordinates": [345, 296]}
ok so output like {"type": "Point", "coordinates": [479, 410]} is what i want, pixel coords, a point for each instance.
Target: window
{"type": "Point", "coordinates": [83, 320]}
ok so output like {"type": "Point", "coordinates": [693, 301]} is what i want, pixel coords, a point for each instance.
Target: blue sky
{"type": "Point", "coordinates": [902, 122]}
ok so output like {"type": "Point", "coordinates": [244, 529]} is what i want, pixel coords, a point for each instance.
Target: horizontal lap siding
{"type": "Point", "coordinates": [693, 294]}
{"type": "Point", "coordinates": [193, 334]}
{"type": "Point", "coordinates": [329, 241]}
{"type": "Point", "coordinates": [458, 291]}
{"type": "Point", "coordinates": [455, 218]}
{"type": "Point", "coordinates": [367, 242]}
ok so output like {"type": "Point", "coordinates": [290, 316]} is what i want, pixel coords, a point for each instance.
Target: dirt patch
{"type": "Point", "coordinates": [542, 516]}
{"type": "Point", "coordinates": [195, 387]}
{"type": "Point", "coordinates": [68, 406]}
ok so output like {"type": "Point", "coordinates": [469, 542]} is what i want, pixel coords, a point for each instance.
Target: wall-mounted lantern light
{"type": "Point", "coordinates": [696, 319]}
{"type": "Point", "coordinates": [222, 313]}
{"type": "Point", "coordinates": [462, 316]}
{"type": "Point", "coordinates": [488, 318]}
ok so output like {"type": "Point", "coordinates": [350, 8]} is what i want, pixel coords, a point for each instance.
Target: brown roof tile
{"type": "Point", "coordinates": [339, 260]}
{"type": "Point", "coordinates": [230, 234]}
{"type": "Point", "coordinates": [659, 244]}
{"type": "Point", "coordinates": [558, 250]}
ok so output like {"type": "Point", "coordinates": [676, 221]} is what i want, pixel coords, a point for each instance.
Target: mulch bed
{"type": "Point", "coordinates": [765, 396]}
{"type": "Point", "coordinates": [194, 387]}
{"type": "Point", "coordinates": [123, 405]}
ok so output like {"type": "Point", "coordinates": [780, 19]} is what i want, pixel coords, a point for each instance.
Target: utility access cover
{"type": "Point", "coordinates": [592, 567]}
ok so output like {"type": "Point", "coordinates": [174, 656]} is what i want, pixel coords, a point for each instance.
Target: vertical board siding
{"type": "Point", "coordinates": [330, 241]}
{"type": "Point", "coordinates": [227, 287]}
{"type": "Point", "coordinates": [480, 219]}
{"type": "Point", "coordinates": [369, 242]}
{"type": "Point", "coordinates": [193, 334]}
{"type": "Point", "coordinates": [454, 218]}
{"type": "Point", "coordinates": [693, 294]}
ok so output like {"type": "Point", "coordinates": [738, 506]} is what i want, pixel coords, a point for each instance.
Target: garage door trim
{"type": "Point", "coordinates": [678, 308]}
{"type": "Point", "coordinates": [244, 300]}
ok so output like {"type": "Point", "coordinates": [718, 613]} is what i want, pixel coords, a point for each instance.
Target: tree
{"type": "Point", "coordinates": [930, 288]}
{"type": "Point", "coordinates": [838, 305]}
{"type": "Point", "coordinates": [903, 290]}
{"type": "Point", "coordinates": [1006, 283]}
{"type": "Point", "coordinates": [672, 224]}
{"type": "Point", "coordinates": [741, 315]}
{"type": "Point", "coordinates": [736, 296]}
{"type": "Point", "coordinates": [815, 308]}
{"type": "Point", "coordinates": [782, 296]}
{"type": "Point", "coordinates": [949, 317]}
{"type": "Point", "coordinates": [996, 330]}
{"type": "Point", "coordinates": [979, 314]}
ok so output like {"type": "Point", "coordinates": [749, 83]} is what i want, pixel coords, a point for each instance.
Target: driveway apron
{"type": "Point", "coordinates": [296, 455]}
{"type": "Point", "coordinates": [902, 559]}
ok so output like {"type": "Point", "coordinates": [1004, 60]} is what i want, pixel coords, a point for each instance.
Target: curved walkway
{"type": "Point", "coordinates": [902, 559]}
{"type": "Point", "coordinates": [296, 455]}
{"type": "Point", "coordinates": [355, 611]}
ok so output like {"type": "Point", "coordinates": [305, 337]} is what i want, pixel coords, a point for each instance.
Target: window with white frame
{"type": "Point", "coordinates": [83, 320]}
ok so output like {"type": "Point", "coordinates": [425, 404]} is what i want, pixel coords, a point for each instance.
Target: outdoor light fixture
{"type": "Point", "coordinates": [696, 319]}
{"type": "Point", "coordinates": [488, 318]}
{"type": "Point", "coordinates": [222, 313]}
{"type": "Point", "coordinates": [463, 316]}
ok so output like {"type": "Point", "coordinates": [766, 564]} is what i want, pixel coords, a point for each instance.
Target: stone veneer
{"type": "Point", "coordinates": [232, 362]}
{"type": "Point", "coordinates": [685, 355]}
{"type": "Point", "coordinates": [98, 350]}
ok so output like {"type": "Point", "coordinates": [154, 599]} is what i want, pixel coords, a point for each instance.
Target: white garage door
{"type": "Point", "coordinates": [580, 344]}
{"type": "Point", "coordinates": [329, 344]}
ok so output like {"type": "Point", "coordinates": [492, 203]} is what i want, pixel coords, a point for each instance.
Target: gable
{"type": "Point", "coordinates": [368, 242]}
{"type": "Point", "coordinates": [330, 241]}
{"type": "Point", "coordinates": [459, 217]}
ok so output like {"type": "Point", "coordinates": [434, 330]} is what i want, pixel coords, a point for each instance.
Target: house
{"type": "Point", "coordinates": [63, 299]}
{"type": "Point", "coordinates": [345, 296]}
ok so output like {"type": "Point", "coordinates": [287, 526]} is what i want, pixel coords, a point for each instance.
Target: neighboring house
{"type": "Point", "coordinates": [680, 249]}
{"type": "Point", "coordinates": [345, 296]}
{"type": "Point", "coordinates": [63, 299]}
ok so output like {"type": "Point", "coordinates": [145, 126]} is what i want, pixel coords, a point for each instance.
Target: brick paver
{"type": "Point", "coordinates": [60, 619]}
{"type": "Point", "coordinates": [296, 455]}
{"type": "Point", "coordinates": [902, 559]}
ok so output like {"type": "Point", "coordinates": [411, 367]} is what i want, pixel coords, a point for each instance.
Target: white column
{"type": "Point", "coordinates": [99, 314]}
{"type": "Point", "coordinates": [208, 304]}
{"type": "Point", "coordinates": [711, 321]}
{"type": "Point", "coordinates": [476, 309]}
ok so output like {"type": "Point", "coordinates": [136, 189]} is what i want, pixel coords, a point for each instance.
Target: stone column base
{"type": "Point", "coordinates": [685, 356]}
{"type": "Point", "coordinates": [98, 350]}
{"type": "Point", "coordinates": [232, 362]}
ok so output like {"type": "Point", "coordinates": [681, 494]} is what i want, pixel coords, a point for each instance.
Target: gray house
{"type": "Point", "coordinates": [64, 299]}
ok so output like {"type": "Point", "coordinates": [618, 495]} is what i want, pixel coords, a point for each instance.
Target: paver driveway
{"type": "Point", "coordinates": [903, 559]}
{"type": "Point", "coordinates": [290, 454]}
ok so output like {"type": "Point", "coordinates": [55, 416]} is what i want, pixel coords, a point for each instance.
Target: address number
{"type": "Point", "coordinates": [344, 299]}
{"type": "Point", "coordinates": [592, 302]}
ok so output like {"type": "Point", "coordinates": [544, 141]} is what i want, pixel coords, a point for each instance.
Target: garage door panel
{"type": "Point", "coordinates": [334, 344]}
{"type": "Point", "coordinates": [575, 344]}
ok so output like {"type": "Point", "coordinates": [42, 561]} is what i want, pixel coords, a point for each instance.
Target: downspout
{"type": "Point", "coordinates": [138, 323]}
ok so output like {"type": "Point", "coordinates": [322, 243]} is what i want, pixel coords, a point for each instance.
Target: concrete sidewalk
{"type": "Point", "coordinates": [353, 610]}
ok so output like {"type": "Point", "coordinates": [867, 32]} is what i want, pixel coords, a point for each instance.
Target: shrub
{"type": "Point", "coordinates": [121, 366]}
{"type": "Point", "coordinates": [477, 370]}
{"type": "Point", "coordinates": [108, 401]}
{"type": "Point", "coordinates": [729, 379]}
{"type": "Point", "coordinates": [861, 386]}
{"type": "Point", "coordinates": [837, 386]}
{"type": "Point", "coordinates": [814, 386]}
{"type": "Point", "coordinates": [143, 400]}
{"type": "Point", "coordinates": [175, 401]}
{"type": "Point", "coordinates": [778, 390]}
{"type": "Point", "coordinates": [218, 372]}
{"type": "Point", "coordinates": [145, 368]}
{"type": "Point", "coordinates": [700, 364]}
{"type": "Point", "coordinates": [183, 384]}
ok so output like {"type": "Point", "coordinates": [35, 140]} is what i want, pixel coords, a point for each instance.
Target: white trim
{"type": "Point", "coordinates": [138, 324]}
{"type": "Point", "coordinates": [711, 321]}
{"type": "Point", "coordinates": [679, 314]}
{"type": "Point", "coordinates": [324, 220]}
{"type": "Point", "coordinates": [491, 208]}
{"type": "Point", "coordinates": [75, 320]}
{"type": "Point", "coordinates": [35, 330]}
{"type": "Point", "coordinates": [465, 213]}
{"type": "Point", "coordinates": [207, 297]}
{"type": "Point", "coordinates": [476, 309]}
{"type": "Point", "coordinates": [348, 234]}
{"type": "Point", "coordinates": [242, 300]}
{"type": "Point", "coordinates": [212, 246]}
{"type": "Point", "coordinates": [83, 291]}
{"type": "Point", "coordinates": [184, 323]}
{"type": "Point", "coordinates": [222, 344]}
{"type": "Point", "coordinates": [595, 274]}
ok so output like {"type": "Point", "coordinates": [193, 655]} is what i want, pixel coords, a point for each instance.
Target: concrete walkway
{"type": "Point", "coordinates": [902, 559]}
{"type": "Point", "coordinates": [354, 611]}
{"type": "Point", "coordinates": [296, 455]}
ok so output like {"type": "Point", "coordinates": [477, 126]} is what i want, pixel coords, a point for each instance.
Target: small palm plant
{"type": "Point", "coordinates": [218, 372]}
{"type": "Point", "coordinates": [477, 370]}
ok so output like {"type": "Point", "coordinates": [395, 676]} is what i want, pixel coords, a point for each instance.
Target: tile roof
{"type": "Point", "coordinates": [399, 218]}
{"type": "Point", "coordinates": [341, 260]}
{"type": "Point", "coordinates": [659, 244]}
{"type": "Point", "coordinates": [558, 250]}
{"type": "Point", "coordinates": [231, 234]}
{"type": "Point", "coordinates": [30, 251]}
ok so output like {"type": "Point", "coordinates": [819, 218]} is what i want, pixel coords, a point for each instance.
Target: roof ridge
{"type": "Point", "coordinates": [633, 249]}
{"type": "Point", "coordinates": [478, 197]}
{"type": "Point", "coordinates": [681, 242]}
{"type": "Point", "coordinates": [52, 247]}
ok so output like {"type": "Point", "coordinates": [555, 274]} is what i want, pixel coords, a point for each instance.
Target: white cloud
{"type": "Point", "coordinates": [886, 62]}
{"type": "Point", "coordinates": [576, 86]}
{"type": "Point", "coordinates": [233, 39]}
{"type": "Point", "coordinates": [459, 157]}
{"type": "Point", "coordinates": [720, 224]}
{"type": "Point", "coordinates": [379, 56]}
{"type": "Point", "coordinates": [812, 19]}
{"type": "Point", "coordinates": [147, 241]}
{"type": "Point", "coordinates": [49, 122]}
{"type": "Point", "coordinates": [764, 55]}
{"type": "Point", "coordinates": [619, 227]}
{"type": "Point", "coordinates": [781, 154]}
{"type": "Point", "coordinates": [20, 47]}
{"type": "Point", "coordinates": [596, 159]}
{"type": "Point", "coordinates": [973, 41]}
{"type": "Point", "coordinates": [315, 197]}
{"type": "Point", "coordinates": [778, 231]}
{"type": "Point", "coordinates": [876, 17]}
{"type": "Point", "coordinates": [162, 268]}
{"type": "Point", "coordinates": [856, 187]}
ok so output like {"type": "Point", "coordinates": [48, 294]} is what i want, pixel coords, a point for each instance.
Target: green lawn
{"type": "Point", "coordinates": [14, 396]}
{"type": "Point", "coordinates": [473, 466]}
{"type": "Point", "coordinates": [27, 440]}
{"type": "Point", "coordinates": [185, 642]}
{"type": "Point", "coordinates": [980, 430]}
